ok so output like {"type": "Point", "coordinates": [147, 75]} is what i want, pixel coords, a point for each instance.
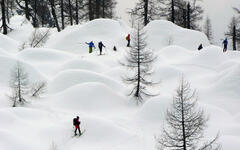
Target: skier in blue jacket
{"type": "Point", "coordinates": [225, 43]}
{"type": "Point", "coordinates": [91, 45]}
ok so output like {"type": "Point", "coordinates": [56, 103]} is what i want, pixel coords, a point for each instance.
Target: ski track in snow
{"type": "Point", "coordinates": [90, 86]}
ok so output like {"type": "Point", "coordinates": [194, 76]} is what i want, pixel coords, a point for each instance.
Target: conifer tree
{"type": "Point", "coordinates": [139, 59]}
{"type": "Point", "coordinates": [185, 123]}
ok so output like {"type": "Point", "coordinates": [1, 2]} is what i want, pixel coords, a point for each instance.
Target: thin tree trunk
{"type": "Point", "coordinates": [184, 18]}
{"type": "Point", "coordinates": [183, 122]}
{"type": "Point", "coordinates": [7, 11]}
{"type": "Point", "coordinates": [70, 12]}
{"type": "Point", "coordinates": [62, 15]}
{"type": "Point", "coordinates": [27, 13]}
{"type": "Point", "coordinates": [4, 23]}
{"type": "Point", "coordinates": [98, 8]}
{"type": "Point", "coordinates": [35, 14]}
{"type": "Point", "coordinates": [188, 16]}
{"type": "Point", "coordinates": [103, 8]}
{"type": "Point", "coordinates": [234, 38]}
{"type": "Point", "coordinates": [139, 70]}
{"type": "Point", "coordinates": [54, 14]}
{"type": "Point", "coordinates": [19, 87]}
{"type": "Point", "coordinates": [42, 19]}
{"type": "Point", "coordinates": [77, 19]}
{"type": "Point", "coordinates": [90, 9]}
{"type": "Point", "coordinates": [173, 12]}
{"type": "Point", "coordinates": [145, 12]}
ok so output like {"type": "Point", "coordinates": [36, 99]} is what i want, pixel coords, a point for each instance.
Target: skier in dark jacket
{"type": "Point", "coordinates": [128, 39]}
{"type": "Point", "coordinates": [91, 45]}
{"type": "Point", "coordinates": [77, 123]}
{"type": "Point", "coordinates": [200, 47]}
{"type": "Point", "coordinates": [225, 44]}
{"type": "Point", "coordinates": [100, 46]}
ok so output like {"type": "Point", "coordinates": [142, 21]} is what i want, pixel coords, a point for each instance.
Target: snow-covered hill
{"type": "Point", "coordinates": [90, 86]}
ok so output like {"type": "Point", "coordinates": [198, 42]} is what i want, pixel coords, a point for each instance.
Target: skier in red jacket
{"type": "Point", "coordinates": [77, 123]}
{"type": "Point", "coordinates": [128, 39]}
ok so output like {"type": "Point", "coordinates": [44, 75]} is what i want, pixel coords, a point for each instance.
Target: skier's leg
{"type": "Point", "coordinates": [75, 131]}
{"type": "Point", "coordinates": [90, 49]}
{"type": "Point", "coordinates": [80, 133]}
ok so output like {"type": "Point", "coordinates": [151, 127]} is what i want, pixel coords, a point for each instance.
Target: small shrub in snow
{"type": "Point", "coordinates": [38, 89]}
{"type": "Point", "coordinates": [37, 39]}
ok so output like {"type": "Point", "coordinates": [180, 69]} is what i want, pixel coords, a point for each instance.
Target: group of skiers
{"type": "Point", "coordinates": [225, 44]}
{"type": "Point", "coordinates": [91, 46]}
{"type": "Point", "coordinates": [101, 45]}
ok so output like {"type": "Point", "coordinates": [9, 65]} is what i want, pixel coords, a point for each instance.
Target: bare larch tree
{"type": "Point", "coordinates": [19, 85]}
{"type": "Point", "coordinates": [140, 60]}
{"type": "Point", "coordinates": [185, 123]}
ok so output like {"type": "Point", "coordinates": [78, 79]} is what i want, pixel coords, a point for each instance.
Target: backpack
{"type": "Point", "coordinates": [128, 37]}
{"type": "Point", "coordinates": [100, 44]}
{"type": "Point", "coordinates": [75, 121]}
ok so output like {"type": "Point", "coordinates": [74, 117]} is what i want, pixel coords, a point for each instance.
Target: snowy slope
{"type": "Point", "coordinates": [90, 86]}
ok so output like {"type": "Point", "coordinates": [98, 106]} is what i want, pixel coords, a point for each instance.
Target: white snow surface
{"type": "Point", "coordinates": [90, 86]}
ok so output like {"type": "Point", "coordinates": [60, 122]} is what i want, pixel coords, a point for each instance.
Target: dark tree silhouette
{"type": "Point", "coordinates": [53, 8]}
{"type": "Point", "coordinates": [140, 60]}
{"type": "Point", "coordinates": [4, 21]}
{"type": "Point", "coordinates": [233, 33]}
{"type": "Point", "coordinates": [147, 10]}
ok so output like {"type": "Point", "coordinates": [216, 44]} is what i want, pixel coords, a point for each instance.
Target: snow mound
{"type": "Point", "coordinates": [174, 53]}
{"type": "Point", "coordinates": [229, 80]}
{"type": "Point", "coordinates": [3, 52]}
{"type": "Point", "coordinates": [8, 64]}
{"type": "Point", "coordinates": [205, 57]}
{"type": "Point", "coordinates": [154, 110]}
{"type": "Point", "coordinates": [90, 97]}
{"type": "Point", "coordinates": [8, 44]}
{"type": "Point", "coordinates": [43, 55]}
{"type": "Point", "coordinates": [83, 65]}
{"type": "Point", "coordinates": [162, 33]}
{"type": "Point", "coordinates": [69, 78]}
{"type": "Point", "coordinates": [73, 39]}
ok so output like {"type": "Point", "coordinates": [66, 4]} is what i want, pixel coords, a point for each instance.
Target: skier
{"type": "Point", "coordinates": [225, 43]}
{"type": "Point", "coordinates": [91, 45]}
{"type": "Point", "coordinates": [128, 39]}
{"type": "Point", "coordinates": [200, 47]}
{"type": "Point", "coordinates": [76, 123]}
{"type": "Point", "coordinates": [100, 46]}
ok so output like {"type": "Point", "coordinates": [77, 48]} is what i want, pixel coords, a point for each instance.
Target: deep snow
{"type": "Point", "coordinates": [90, 86]}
